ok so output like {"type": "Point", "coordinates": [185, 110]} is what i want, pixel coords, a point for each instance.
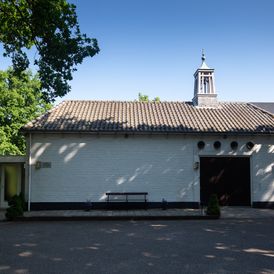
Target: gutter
{"type": "Point", "coordinates": [170, 133]}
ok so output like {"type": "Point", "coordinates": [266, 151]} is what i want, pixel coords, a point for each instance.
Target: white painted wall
{"type": "Point", "coordinates": [86, 166]}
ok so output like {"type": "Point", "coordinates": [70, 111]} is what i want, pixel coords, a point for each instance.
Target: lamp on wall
{"type": "Point", "coordinates": [196, 165]}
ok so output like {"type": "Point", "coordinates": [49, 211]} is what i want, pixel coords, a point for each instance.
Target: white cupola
{"type": "Point", "coordinates": [204, 86]}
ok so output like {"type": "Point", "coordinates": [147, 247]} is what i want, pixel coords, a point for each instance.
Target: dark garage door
{"type": "Point", "coordinates": [228, 177]}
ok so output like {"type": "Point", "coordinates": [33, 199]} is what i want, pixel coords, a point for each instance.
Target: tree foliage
{"type": "Point", "coordinates": [51, 27]}
{"type": "Point", "coordinates": [145, 98]}
{"type": "Point", "coordinates": [156, 99]}
{"type": "Point", "coordinates": [20, 101]}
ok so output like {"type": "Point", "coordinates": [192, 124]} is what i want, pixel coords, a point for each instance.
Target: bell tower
{"type": "Point", "coordinates": [204, 86]}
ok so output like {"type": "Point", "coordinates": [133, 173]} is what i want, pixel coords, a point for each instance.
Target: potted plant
{"type": "Point", "coordinates": [213, 208]}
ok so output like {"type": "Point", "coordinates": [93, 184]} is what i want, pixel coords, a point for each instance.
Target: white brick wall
{"type": "Point", "coordinates": [85, 166]}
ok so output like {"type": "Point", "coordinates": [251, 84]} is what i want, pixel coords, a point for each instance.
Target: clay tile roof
{"type": "Point", "coordinates": [158, 117]}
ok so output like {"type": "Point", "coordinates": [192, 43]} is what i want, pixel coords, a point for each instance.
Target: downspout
{"type": "Point", "coordinates": [29, 179]}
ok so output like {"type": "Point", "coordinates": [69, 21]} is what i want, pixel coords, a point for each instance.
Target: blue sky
{"type": "Point", "coordinates": [154, 47]}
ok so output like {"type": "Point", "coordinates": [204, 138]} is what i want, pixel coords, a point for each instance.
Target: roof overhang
{"type": "Point", "coordinates": [12, 159]}
{"type": "Point", "coordinates": [199, 133]}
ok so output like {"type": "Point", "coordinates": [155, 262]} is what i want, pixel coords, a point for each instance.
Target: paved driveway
{"type": "Point", "coordinates": [216, 246]}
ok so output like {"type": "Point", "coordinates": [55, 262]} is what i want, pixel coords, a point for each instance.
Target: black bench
{"type": "Point", "coordinates": [126, 197]}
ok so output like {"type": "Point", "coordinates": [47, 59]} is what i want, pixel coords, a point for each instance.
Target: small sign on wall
{"type": "Point", "coordinates": [46, 164]}
{"type": "Point", "coordinates": [40, 164]}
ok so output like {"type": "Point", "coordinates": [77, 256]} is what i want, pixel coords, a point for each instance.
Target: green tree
{"type": "Point", "coordinates": [145, 98]}
{"type": "Point", "coordinates": [51, 27]}
{"type": "Point", "coordinates": [20, 101]}
{"type": "Point", "coordinates": [156, 99]}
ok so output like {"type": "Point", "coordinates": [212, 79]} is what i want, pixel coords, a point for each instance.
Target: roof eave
{"type": "Point", "coordinates": [134, 132]}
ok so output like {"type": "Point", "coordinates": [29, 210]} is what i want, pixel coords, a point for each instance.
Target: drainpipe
{"type": "Point", "coordinates": [29, 179]}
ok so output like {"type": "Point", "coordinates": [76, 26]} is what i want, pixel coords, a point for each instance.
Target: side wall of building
{"type": "Point", "coordinates": [75, 168]}
{"type": "Point", "coordinates": [86, 167]}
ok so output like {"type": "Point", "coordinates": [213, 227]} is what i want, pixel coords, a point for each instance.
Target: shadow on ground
{"type": "Point", "coordinates": [222, 246]}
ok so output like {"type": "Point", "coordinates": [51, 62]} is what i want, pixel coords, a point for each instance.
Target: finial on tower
{"type": "Point", "coordinates": [203, 55]}
{"type": "Point", "coordinates": [203, 65]}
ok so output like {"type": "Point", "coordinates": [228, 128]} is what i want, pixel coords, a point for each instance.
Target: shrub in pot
{"type": "Point", "coordinates": [213, 208]}
{"type": "Point", "coordinates": [16, 207]}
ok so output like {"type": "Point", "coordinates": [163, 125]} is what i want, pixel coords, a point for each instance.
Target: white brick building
{"type": "Point", "coordinates": [178, 151]}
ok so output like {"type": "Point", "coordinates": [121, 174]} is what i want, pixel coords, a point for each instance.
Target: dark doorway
{"type": "Point", "coordinates": [228, 177]}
